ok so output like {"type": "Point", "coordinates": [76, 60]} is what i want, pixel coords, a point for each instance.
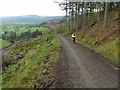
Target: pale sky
{"type": "Point", "coordinates": [30, 7]}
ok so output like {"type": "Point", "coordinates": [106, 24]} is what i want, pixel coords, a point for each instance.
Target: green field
{"type": "Point", "coordinates": [21, 29]}
{"type": "Point", "coordinates": [9, 31]}
{"type": "Point", "coordinates": [4, 43]}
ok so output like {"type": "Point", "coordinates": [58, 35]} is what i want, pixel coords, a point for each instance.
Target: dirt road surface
{"type": "Point", "coordinates": [79, 67]}
{"type": "Point", "coordinates": [4, 53]}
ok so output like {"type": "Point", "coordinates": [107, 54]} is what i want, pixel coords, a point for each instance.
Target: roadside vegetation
{"type": "Point", "coordinates": [30, 64]}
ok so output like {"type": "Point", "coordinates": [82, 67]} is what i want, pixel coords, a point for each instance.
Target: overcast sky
{"type": "Point", "coordinates": [30, 7]}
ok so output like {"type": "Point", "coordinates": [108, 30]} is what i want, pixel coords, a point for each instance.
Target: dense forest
{"type": "Point", "coordinates": [87, 14]}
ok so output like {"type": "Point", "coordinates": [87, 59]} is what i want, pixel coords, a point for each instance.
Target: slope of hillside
{"type": "Point", "coordinates": [30, 63]}
{"type": "Point", "coordinates": [101, 40]}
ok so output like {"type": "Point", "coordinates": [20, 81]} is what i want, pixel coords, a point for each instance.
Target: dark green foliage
{"type": "Point", "coordinates": [36, 33]}
{"type": "Point", "coordinates": [28, 35]}
{"type": "Point", "coordinates": [14, 33]}
{"type": "Point", "coordinates": [9, 36]}
{"type": "Point", "coordinates": [12, 37]}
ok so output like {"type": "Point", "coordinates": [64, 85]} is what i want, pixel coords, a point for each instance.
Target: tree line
{"type": "Point", "coordinates": [81, 14]}
{"type": "Point", "coordinates": [11, 36]}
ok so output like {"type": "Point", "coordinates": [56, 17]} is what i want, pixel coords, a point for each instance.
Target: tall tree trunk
{"type": "Point", "coordinates": [105, 15]}
{"type": "Point", "coordinates": [69, 21]}
{"type": "Point", "coordinates": [76, 17]}
{"type": "Point", "coordinates": [85, 16]}
{"type": "Point", "coordinates": [97, 18]}
{"type": "Point", "coordinates": [97, 12]}
{"type": "Point", "coordinates": [79, 16]}
{"type": "Point", "coordinates": [82, 19]}
{"type": "Point", "coordinates": [66, 15]}
{"type": "Point", "coordinates": [72, 15]}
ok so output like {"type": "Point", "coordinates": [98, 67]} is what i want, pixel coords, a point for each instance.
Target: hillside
{"type": "Point", "coordinates": [30, 19]}
{"type": "Point", "coordinates": [30, 63]}
{"type": "Point", "coordinates": [101, 40]}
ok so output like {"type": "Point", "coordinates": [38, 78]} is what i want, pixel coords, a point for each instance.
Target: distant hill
{"type": "Point", "coordinates": [30, 19]}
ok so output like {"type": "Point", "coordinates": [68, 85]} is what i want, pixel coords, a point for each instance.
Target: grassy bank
{"type": "Point", "coordinates": [108, 48]}
{"type": "Point", "coordinates": [33, 63]}
{"type": "Point", "coordinates": [4, 43]}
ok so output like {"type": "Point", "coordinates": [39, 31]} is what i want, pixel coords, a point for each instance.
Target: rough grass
{"type": "Point", "coordinates": [4, 43]}
{"type": "Point", "coordinates": [110, 51]}
{"type": "Point", "coordinates": [39, 56]}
